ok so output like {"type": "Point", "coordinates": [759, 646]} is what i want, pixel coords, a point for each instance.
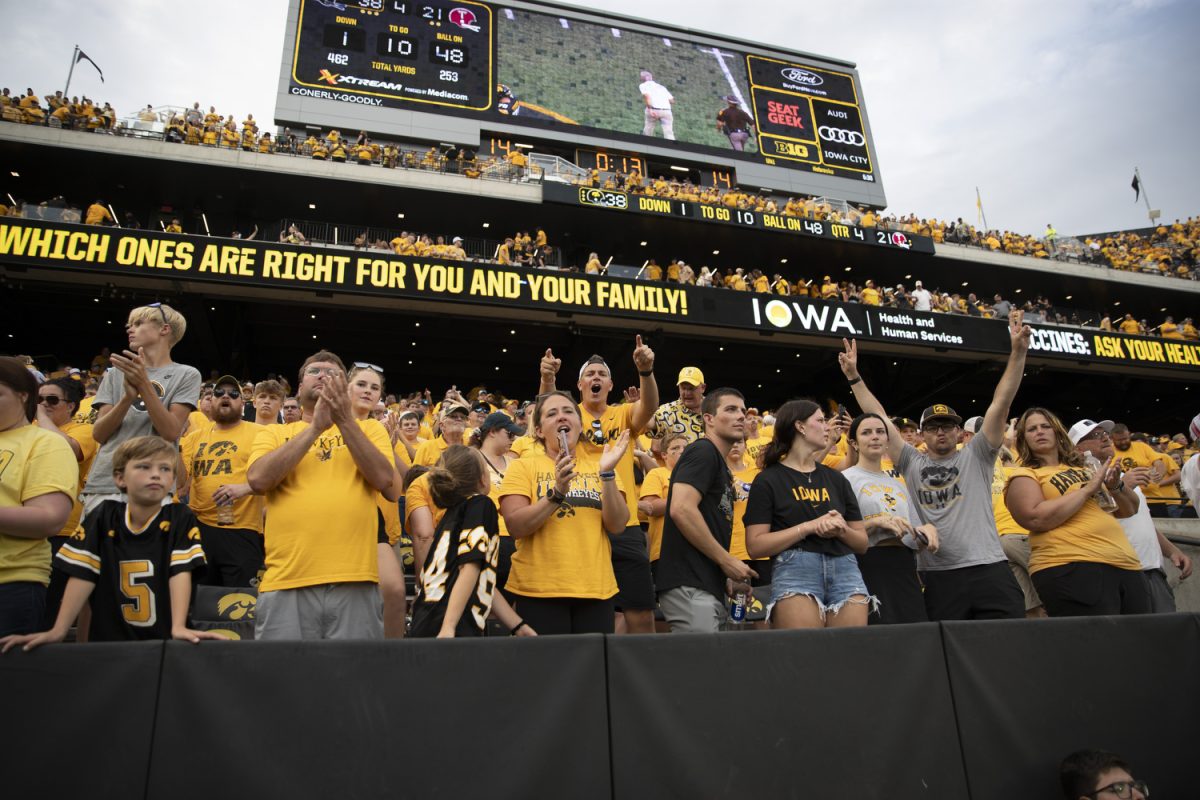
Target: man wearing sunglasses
{"type": "Point", "coordinates": [968, 577]}
{"type": "Point", "coordinates": [145, 393]}
{"type": "Point", "coordinates": [58, 401]}
{"type": "Point", "coordinates": [215, 457]}
{"type": "Point", "coordinates": [635, 600]}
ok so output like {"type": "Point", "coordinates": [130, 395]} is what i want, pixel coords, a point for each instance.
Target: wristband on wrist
{"type": "Point", "coordinates": [555, 496]}
{"type": "Point", "coordinates": [856, 380]}
{"type": "Point", "coordinates": [517, 627]}
{"type": "Point", "coordinates": [608, 476]}
{"type": "Point", "coordinates": [646, 373]}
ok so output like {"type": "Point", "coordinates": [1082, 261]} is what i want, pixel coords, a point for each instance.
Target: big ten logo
{"type": "Point", "coordinates": [213, 458]}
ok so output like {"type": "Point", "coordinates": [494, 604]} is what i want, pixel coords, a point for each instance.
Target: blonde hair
{"type": "Point", "coordinates": [161, 313]}
{"type": "Point", "coordinates": [141, 447]}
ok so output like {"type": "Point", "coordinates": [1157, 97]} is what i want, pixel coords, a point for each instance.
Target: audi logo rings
{"type": "Point", "coordinates": [841, 136]}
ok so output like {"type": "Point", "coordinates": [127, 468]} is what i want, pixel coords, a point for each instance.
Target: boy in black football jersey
{"type": "Point", "coordinates": [131, 560]}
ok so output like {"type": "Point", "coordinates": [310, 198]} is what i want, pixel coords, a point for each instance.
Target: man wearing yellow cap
{"type": "Point", "coordinates": [681, 416]}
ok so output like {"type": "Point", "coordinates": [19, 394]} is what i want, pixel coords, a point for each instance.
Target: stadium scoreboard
{"type": "Point", "coordinates": [616, 92]}
{"type": "Point", "coordinates": [396, 51]}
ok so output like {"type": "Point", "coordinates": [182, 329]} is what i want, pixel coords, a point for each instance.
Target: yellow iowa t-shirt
{"type": "Point", "coordinates": [33, 463]}
{"type": "Point", "coordinates": [321, 519]}
{"type": "Point", "coordinates": [656, 484]}
{"type": "Point", "coordinates": [570, 555]}
{"type": "Point", "coordinates": [1091, 535]}
{"type": "Point", "coordinates": [212, 458]}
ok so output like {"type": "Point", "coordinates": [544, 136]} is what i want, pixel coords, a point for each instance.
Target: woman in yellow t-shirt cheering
{"type": "Point", "coordinates": [559, 508]}
{"type": "Point", "coordinates": [1080, 560]}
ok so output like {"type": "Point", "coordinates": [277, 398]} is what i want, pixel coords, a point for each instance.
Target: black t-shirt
{"type": "Point", "coordinates": [702, 467]}
{"type": "Point", "coordinates": [469, 532]}
{"type": "Point", "coordinates": [783, 497]}
{"type": "Point", "coordinates": [132, 571]}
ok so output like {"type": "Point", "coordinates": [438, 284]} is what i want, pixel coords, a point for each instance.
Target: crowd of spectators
{"type": "Point", "coordinates": [1172, 250]}
{"type": "Point", "coordinates": [498, 506]}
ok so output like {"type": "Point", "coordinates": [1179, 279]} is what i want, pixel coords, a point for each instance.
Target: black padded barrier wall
{"type": "Point", "coordinates": [501, 718]}
{"type": "Point", "coordinates": [77, 720]}
{"type": "Point", "coordinates": [968, 711]}
{"type": "Point", "coordinates": [1029, 693]}
{"type": "Point", "coordinates": [841, 714]}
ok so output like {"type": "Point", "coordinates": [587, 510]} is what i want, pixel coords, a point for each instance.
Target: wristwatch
{"type": "Point", "coordinates": [555, 496]}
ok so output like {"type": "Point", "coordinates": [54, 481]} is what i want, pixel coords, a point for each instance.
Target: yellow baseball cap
{"type": "Point", "coordinates": [691, 375]}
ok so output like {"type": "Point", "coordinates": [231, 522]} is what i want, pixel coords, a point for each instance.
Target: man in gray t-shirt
{"type": "Point", "coordinates": [947, 492]}
{"type": "Point", "coordinates": [968, 578]}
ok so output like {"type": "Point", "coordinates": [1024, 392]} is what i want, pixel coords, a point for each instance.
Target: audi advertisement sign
{"type": "Point", "coordinates": [810, 115]}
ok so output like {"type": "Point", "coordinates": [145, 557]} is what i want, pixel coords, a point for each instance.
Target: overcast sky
{"type": "Point", "coordinates": [1047, 107]}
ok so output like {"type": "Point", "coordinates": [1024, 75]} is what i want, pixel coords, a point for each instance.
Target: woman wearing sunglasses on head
{"type": "Point", "coordinates": [366, 387]}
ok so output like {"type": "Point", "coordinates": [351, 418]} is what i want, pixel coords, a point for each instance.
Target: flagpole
{"type": "Point", "coordinates": [74, 58]}
{"type": "Point", "coordinates": [1142, 185]}
{"type": "Point", "coordinates": [979, 205]}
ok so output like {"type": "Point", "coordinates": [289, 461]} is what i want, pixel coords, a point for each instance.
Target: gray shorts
{"type": "Point", "coordinates": [1016, 550]}
{"type": "Point", "coordinates": [691, 610]}
{"type": "Point", "coordinates": [1162, 599]}
{"type": "Point", "coordinates": [327, 611]}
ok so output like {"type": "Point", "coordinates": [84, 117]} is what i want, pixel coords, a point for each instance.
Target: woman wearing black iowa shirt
{"type": "Point", "coordinates": [806, 515]}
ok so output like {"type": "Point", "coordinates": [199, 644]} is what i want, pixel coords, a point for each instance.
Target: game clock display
{"type": "Point", "coordinates": [392, 52]}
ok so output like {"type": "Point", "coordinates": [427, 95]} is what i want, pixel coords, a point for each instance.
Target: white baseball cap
{"type": "Point", "coordinates": [1085, 426]}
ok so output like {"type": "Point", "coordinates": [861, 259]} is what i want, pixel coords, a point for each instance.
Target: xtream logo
{"type": "Point", "coordinates": [823, 318]}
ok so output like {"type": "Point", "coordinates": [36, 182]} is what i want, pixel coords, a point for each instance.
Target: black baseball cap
{"type": "Point", "coordinates": [938, 412]}
{"type": "Point", "coordinates": [904, 422]}
{"type": "Point", "coordinates": [484, 407]}
{"type": "Point", "coordinates": [498, 419]}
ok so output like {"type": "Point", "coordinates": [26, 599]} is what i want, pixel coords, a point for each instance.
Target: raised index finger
{"type": "Point", "coordinates": [638, 339]}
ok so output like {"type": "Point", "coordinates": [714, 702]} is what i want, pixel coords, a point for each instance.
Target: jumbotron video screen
{"type": "Point", "coordinates": [574, 75]}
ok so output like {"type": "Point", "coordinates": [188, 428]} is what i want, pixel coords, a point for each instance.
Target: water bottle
{"type": "Point", "coordinates": [225, 513]}
{"type": "Point", "coordinates": [737, 610]}
{"type": "Point", "coordinates": [1104, 497]}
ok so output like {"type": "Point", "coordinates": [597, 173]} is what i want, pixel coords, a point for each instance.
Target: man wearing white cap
{"type": "Point", "coordinates": [1149, 545]}
{"type": "Point", "coordinates": [921, 298]}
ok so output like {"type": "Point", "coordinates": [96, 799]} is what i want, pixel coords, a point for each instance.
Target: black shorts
{"type": "Point", "coordinates": [631, 566]}
{"type": "Point", "coordinates": [381, 527]}
{"type": "Point", "coordinates": [1086, 589]}
{"type": "Point", "coordinates": [764, 568]}
{"type": "Point", "coordinates": [985, 591]}
{"type": "Point", "coordinates": [508, 546]}
{"type": "Point", "coordinates": [558, 615]}
{"type": "Point", "coordinates": [234, 556]}
{"type": "Point", "coordinates": [890, 574]}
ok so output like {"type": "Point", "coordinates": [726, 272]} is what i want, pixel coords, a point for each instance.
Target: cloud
{"type": "Point", "coordinates": [1047, 107]}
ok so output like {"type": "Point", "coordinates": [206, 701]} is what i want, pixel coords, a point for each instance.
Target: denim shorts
{"type": "Point", "coordinates": [829, 580]}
